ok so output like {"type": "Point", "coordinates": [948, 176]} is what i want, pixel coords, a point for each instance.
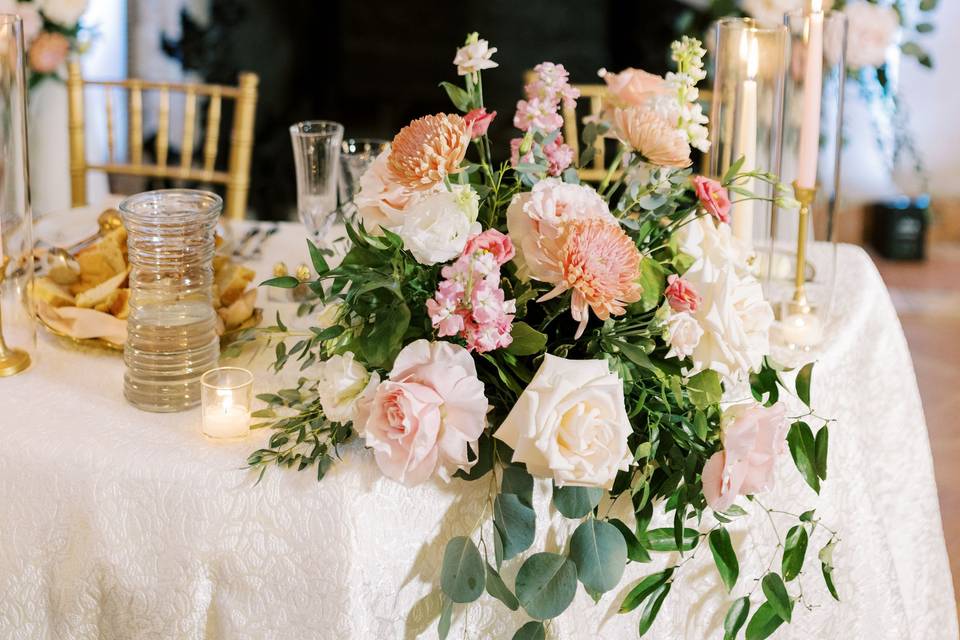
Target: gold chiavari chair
{"type": "Point", "coordinates": [236, 178]}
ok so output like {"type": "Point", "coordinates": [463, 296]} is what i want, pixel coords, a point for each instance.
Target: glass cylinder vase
{"type": "Point", "coordinates": [171, 331]}
{"type": "Point", "coordinates": [17, 323]}
{"type": "Point", "coordinates": [746, 117]}
{"type": "Point", "coordinates": [803, 251]}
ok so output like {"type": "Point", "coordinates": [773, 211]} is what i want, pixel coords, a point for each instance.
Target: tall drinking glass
{"type": "Point", "coordinates": [316, 154]}
{"type": "Point", "coordinates": [356, 156]}
{"type": "Point", "coordinates": [17, 327]}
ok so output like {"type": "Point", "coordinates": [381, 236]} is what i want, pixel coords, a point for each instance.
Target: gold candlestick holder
{"type": "Point", "coordinates": [12, 361]}
{"type": "Point", "coordinates": [805, 196]}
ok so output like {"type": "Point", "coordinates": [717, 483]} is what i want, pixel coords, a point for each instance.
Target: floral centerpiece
{"type": "Point", "coordinates": [51, 30]}
{"type": "Point", "coordinates": [508, 323]}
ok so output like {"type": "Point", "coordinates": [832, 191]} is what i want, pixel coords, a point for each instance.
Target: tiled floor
{"type": "Point", "coordinates": [927, 297]}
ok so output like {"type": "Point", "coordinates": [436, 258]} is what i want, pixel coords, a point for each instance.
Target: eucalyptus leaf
{"type": "Point", "coordinates": [777, 596]}
{"type": "Point", "coordinates": [462, 576]}
{"type": "Point", "coordinates": [652, 608]}
{"type": "Point", "coordinates": [499, 590]}
{"type": "Point", "coordinates": [600, 553]}
{"type": "Point", "coordinates": [515, 522]}
{"type": "Point", "coordinates": [546, 585]}
{"type": "Point", "coordinates": [794, 551]}
{"type": "Point", "coordinates": [736, 617]}
{"type": "Point", "coordinates": [763, 623]}
{"type": "Point", "coordinates": [724, 557]}
{"type": "Point", "coordinates": [446, 615]}
{"type": "Point", "coordinates": [802, 449]}
{"type": "Point", "coordinates": [517, 481]}
{"type": "Point", "coordinates": [576, 502]}
{"type": "Point", "coordinates": [533, 630]}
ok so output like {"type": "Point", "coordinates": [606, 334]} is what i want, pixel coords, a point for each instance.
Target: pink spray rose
{"type": "Point", "coordinates": [680, 294]}
{"type": "Point", "coordinates": [753, 437]}
{"type": "Point", "coordinates": [48, 52]}
{"type": "Point", "coordinates": [478, 121]}
{"type": "Point", "coordinates": [713, 197]}
{"type": "Point", "coordinates": [426, 416]}
{"type": "Point", "coordinates": [491, 241]}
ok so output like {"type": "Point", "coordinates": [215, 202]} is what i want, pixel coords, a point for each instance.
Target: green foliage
{"type": "Point", "coordinates": [462, 577]}
{"type": "Point", "coordinates": [644, 589]}
{"type": "Point", "coordinates": [527, 341]}
{"type": "Point", "coordinates": [533, 630]}
{"type": "Point", "coordinates": [600, 553]}
{"type": "Point", "coordinates": [576, 502]}
{"type": "Point", "coordinates": [446, 615]}
{"type": "Point", "coordinates": [736, 617]}
{"type": "Point", "coordinates": [763, 623]}
{"type": "Point", "coordinates": [724, 557]}
{"type": "Point", "coordinates": [546, 584]}
{"type": "Point", "coordinates": [652, 607]}
{"type": "Point", "coordinates": [803, 383]}
{"type": "Point", "coordinates": [515, 523]}
{"type": "Point", "coordinates": [499, 590]}
{"type": "Point", "coordinates": [777, 596]}
{"type": "Point", "coordinates": [794, 551]}
{"type": "Point", "coordinates": [803, 449]}
{"type": "Point", "coordinates": [664, 540]}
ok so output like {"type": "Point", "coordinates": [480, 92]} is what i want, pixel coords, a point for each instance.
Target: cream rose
{"type": "Point", "coordinates": [66, 13]}
{"type": "Point", "coordinates": [437, 227]}
{"type": "Point", "coordinates": [570, 424]}
{"type": "Point", "coordinates": [341, 380]}
{"type": "Point", "coordinates": [682, 334]}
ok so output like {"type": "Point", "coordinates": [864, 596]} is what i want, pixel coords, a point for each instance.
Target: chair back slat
{"type": "Point", "coordinates": [189, 120]}
{"type": "Point", "coordinates": [235, 178]}
{"type": "Point", "coordinates": [163, 128]}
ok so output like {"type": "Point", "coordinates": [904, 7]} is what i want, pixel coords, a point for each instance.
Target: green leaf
{"type": "Point", "coordinates": [763, 623]}
{"type": "Point", "coordinates": [803, 383]}
{"type": "Point", "coordinates": [928, 5]}
{"type": "Point", "coordinates": [705, 389]}
{"type": "Point", "coordinates": [517, 481]}
{"type": "Point", "coordinates": [282, 282]}
{"type": "Point", "coordinates": [807, 516]}
{"type": "Point", "coordinates": [736, 617]}
{"type": "Point", "coordinates": [635, 550]}
{"type": "Point", "coordinates": [794, 551]}
{"type": "Point", "coordinates": [385, 339]}
{"type": "Point", "coordinates": [663, 539]}
{"type": "Point", "coordinates": [533, 630]}
{"type": "Point", "coordinates": [777, 596]}
{"type": "Point", "coordinates": [527, 341]}
{"type": "Point", "coordinates": [462, 575]}
{"type": "Point", "coordinates": [499, 590]}
{"type": "Point", "coordinates": [820, 445]}
{"type": "Point", "coordinates": [802, 449]}
{"type": "Point", "coordinates": [576, 502]}
{"type": "Point", "coordinates": [600, 553]}
{"type": "Point", "coordinates": [652, 607]}
{"type": "Point", "coordinates": [319, 262]}
{"type": "Point", "coordinates": [653, 279]}
{"type": "Point", "coordinates": [546, 584]}
{"type": "Point", "coordinates": [515, 522]}
{"type": "Point", "coordinates": [446, 614]}
{"type": "Point", "coordinates": [643, 589]}
{"type": "Point", "coordinates": [924, 27]}
{"type": "Point", "coordinates": [724, 557]}
{"type": "Point", "coordinates": [733, 170]}
{"type": "Point", "coordinates": [828, 580]}
{"type": "Point", "coordinates": [459, 97]}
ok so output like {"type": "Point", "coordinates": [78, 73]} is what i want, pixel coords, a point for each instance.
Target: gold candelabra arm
{"type": "Point", "coordinates": [805, 196]}
{"type": "Point", "coordinates": [12, 361]}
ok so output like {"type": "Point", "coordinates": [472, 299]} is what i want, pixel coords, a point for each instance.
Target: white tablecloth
{"type": "Point", "coordinates": [119, 524]}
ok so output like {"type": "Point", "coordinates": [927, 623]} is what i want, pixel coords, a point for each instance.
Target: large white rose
{"type": "Point", "coordinates": [341, 381]}
{"type": "Point", "coordinates": [570, 424]}
{"type": "Point", "coordinates": [871, 31]}
{"type": "Point", "coordinates": [64, 12]}
{"type": "Point", "coordinates": [733, 313]}
{"type": "Point", "coordinates": [436, 228]}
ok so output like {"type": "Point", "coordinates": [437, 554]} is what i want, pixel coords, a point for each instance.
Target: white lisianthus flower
{"type": "Point", "coordinates": [341, 381]}
{"type": "Point", "coordinates": [66, 13]}
{"type": "Point", "coordinates": [436, 228]}
{"type": "Point", "coordinates": [871, 31]}
{"type": "Point", "coordinates": [474, 56]}
{"type": "Point", "coordinates": [733, 314]}
{"type": "Point", "coordinates": [570, 424]}
{"type": "Point", "coordinates": [682, 334]}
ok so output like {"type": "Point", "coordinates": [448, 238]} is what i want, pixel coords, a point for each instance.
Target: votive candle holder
{"type": "Point", "coordinates": [226, 399]}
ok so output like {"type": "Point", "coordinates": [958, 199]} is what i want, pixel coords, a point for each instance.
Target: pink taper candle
{"type": "Point", "coordinates": [812, 88]}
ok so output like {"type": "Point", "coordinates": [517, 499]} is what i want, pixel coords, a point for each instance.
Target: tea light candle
{"type": "Point", "coordinates": [802, 330]}
{"type": "Point", "coordinates": [227, 394]}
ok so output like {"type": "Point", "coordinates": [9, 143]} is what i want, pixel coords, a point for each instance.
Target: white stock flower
{"type": "Point", "coordinates": [341, 381]}
{"type": "Point", "coordinates": [570, 424]}
{"type": "Point", "coordinates": [436, 227]}
{"type": "Point", "coordinates": [871, 31]}
{"type": "Point", "coordinates": [473, 57]}
{"type": "Point", "coordinates": [682, 334]}
{"type": "Point", "coordinates": [733, 314]}
{"type": "Point", "coordinates": [66, 13]}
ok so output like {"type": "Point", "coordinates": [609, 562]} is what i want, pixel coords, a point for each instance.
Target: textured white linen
{"type": "Point", "coordinates": [119, 524]}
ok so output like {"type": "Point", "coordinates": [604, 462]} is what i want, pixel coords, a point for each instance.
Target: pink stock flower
{"type": "Point", "coordinates": [601, 264]}
{"type": "Point", "coordinates": [559, 156]}
{"type": "Point", "coordinates": [552, 85]}
{"type": "Point", "coordinates": [478, 121]}
{"type": "Point", "coordinates": [493, 242]}
{"type": "Point", "coordinates": [713, 197]}
{"type": "Point", "coordinates": [632, 87]}
{"type": "Point", "coordinates": [681, 295]}
{"type": "Point", "coordinates": [427, 415]}
{"type": "Point", "coordinates": [515, 157]}
{"type": "Point", "coordinates": [753, 437]}
{"type": "Point", "coordinates": [537, 114]}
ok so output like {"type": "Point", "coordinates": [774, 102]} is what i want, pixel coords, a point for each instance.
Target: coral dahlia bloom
{"type": "Point", "coordinates": [429, 149]}
{"type": "Point", "coordinates": [653, 135]}
{"type": "Point", "coordinates": [601, 264]}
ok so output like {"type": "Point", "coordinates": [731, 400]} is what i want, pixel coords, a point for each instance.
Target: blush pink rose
{"type": "Point", "coordinates": [753, 437]}
{"type": "Point", "coordinates": [478, 121]}
{"type": "Point", "coordinates": [713, 197]}
{"type": "Point", "coordinates": [48, 51]}
{"type": "Point", "coordinates": [426, 416]}
{"type": "Point", "coordinates": [681, 295]}
{"type": "Point", "coordinates": [632, 87]}
{"type": "Point", "coordinates": [493, 242]}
